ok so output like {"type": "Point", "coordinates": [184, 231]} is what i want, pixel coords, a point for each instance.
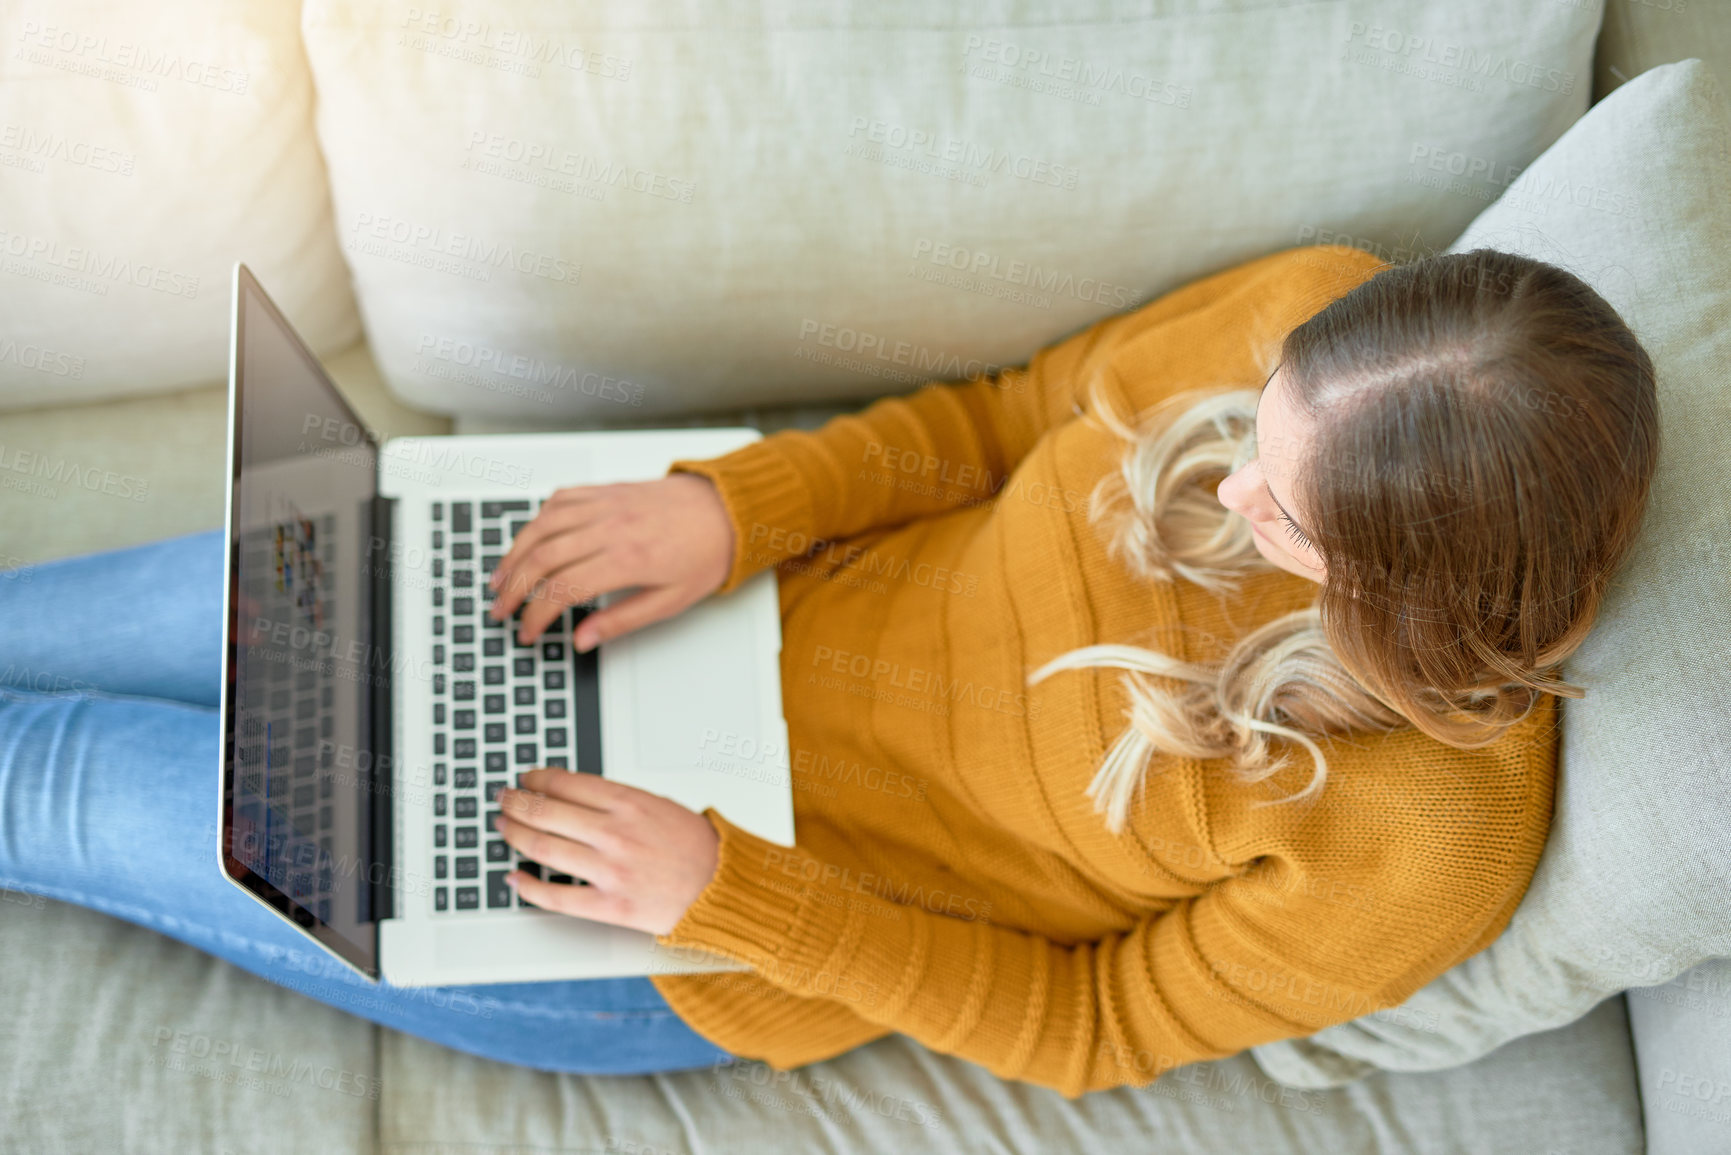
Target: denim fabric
{"type": "Point", "coordinates": [109, 676]}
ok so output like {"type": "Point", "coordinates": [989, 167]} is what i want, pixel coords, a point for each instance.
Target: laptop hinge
{"type": "Point", "coordinates": [379, 574]}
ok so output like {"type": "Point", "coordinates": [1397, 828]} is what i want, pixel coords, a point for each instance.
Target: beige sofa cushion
{"type": "Point", "coordinates": [1567, 1091]}
{"type": "Point", "coordinates": [1631, 888]}
{"type": "Point", "coordinates": [606, 210]}
{"type": "Point", "coordinates": [144, 148]}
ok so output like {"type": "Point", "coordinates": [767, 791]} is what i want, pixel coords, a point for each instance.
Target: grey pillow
{"type": "Point", "coordinates": [1632, 887]}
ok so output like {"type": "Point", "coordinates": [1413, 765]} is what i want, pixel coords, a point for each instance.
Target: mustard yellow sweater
{"type": "Point", "coordinates": [952, 881]}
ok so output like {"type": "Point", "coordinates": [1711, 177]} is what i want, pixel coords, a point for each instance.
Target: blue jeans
{"type": "Point", "coordinates": [110, 666]}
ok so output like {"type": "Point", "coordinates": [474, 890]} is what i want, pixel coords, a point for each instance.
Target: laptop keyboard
{"type": "Point", "coordinates": [499, 707]}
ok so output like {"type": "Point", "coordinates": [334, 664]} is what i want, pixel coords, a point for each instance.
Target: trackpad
{"type": "Point", "coordinates": [691, 678]}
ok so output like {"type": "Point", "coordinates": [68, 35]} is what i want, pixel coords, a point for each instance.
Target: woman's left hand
{"type": "Point", "coordinates": [646, 858]}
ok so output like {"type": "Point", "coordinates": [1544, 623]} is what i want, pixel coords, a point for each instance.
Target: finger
{"type": "Point", "coordinates": [632, 613]}
{"type": "Point", "coordinates": [554, 815]}
{"type": "Point", "coordinates": [582, 581]}
{"type": "Point", "coordinates": [591, 790]}
{"type": "Point", "coordinates": [551, 521]}
{"type": "Point", "coordinates": [559, 855]}
{"type": "Point", "coordinates": [559, 897]}
{"type": "Point", "coordinates": [510, 589]}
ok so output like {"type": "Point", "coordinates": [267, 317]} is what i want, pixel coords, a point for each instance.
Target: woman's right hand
{"type": "Point", "coordinates": [671, 537]}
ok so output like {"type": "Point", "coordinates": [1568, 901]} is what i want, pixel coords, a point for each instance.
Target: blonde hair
{"type": "Point", "coordinates": [1508, 520]}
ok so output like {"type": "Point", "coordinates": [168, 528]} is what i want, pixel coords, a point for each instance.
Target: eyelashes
{"type": "Point", "coordinates": [1297, 533]}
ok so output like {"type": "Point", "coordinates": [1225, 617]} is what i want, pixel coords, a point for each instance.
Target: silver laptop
{"type": "Point", "coordinates": [372, 708]}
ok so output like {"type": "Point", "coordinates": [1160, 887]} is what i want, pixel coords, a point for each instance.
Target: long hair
{"type": "Point", "coordinates": [1485, 433]}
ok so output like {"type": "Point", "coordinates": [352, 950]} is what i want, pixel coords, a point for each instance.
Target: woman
{"type": "Point", "coordinates": [1115, 745]}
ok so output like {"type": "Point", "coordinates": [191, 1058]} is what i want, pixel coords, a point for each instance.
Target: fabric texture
{"type": "Point", "coordinates": [1631, 889]}
{"type": "Point", "coordinates": [145, 148]}
{"type": "Point", "coordinates": [110, 666]}
{"type": "Point", "coordinates": [842, 200]}
{"type": "Point", "coordinates": [952, 881]}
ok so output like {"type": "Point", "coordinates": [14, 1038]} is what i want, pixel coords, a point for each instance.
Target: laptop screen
{"type": "Point", "coordinates": [299, 776]}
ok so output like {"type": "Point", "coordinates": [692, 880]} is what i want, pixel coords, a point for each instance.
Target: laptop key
{"type": "Point", "coordinates": [468, 866]}
{"type": "Point", "coordinates": [494, 704]}
{"type": "Point", "coordinates": [441, 900]}
{"type": "Point", "coordinates": [468, 898]}
{"type": "Point", "coordinates": [495, 731]}
{"type": "Point", "coordinates": [467, 838]}
{"type": "Point", "coordinates": [498, 891]}
{"type": "Point", "coordinates": [460, 517]}
{"type": "Point", "coordinates": [493, 647]}
{"type": "Point", "coordinates": [523, 695]}
{"type": "Point", "coordinates": [495, 763]}
{"type": "Point", "coordinates": [497, 851]}
{"type": "Point", "coordinates": [555, 708]}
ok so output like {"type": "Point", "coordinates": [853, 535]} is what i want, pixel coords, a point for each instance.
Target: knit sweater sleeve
{"type": "Point", "coordinates": [1268, 955]}
{"type": "Point", "coordinates": [949, 445]}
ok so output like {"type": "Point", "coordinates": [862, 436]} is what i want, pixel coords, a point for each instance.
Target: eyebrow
{"type": "Point", "coordinates": [1257, 418]}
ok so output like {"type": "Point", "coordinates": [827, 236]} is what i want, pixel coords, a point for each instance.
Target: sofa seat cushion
{"type": "Point", "coordinates": [1569, 1090]}
{"type": "Point", "coordinates": [116, 1038]}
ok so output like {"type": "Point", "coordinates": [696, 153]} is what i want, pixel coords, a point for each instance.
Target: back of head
{"type": "Point", "coordinates": [1486, 431]}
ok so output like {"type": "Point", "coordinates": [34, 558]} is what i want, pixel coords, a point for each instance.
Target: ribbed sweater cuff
{"type": "Point", "coordinates": [755, 910]}
{"type": "Point", "coordinates": [767, 502]}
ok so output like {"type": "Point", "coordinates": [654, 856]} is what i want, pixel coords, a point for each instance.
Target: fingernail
{"type": "Point", "coordinates": [511, 880]}
{"type": "Point", "coordinates": [584, 641]}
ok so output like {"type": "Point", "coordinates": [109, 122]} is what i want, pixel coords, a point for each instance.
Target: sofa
{"type": "Point", "coordinates": [510, 215]}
